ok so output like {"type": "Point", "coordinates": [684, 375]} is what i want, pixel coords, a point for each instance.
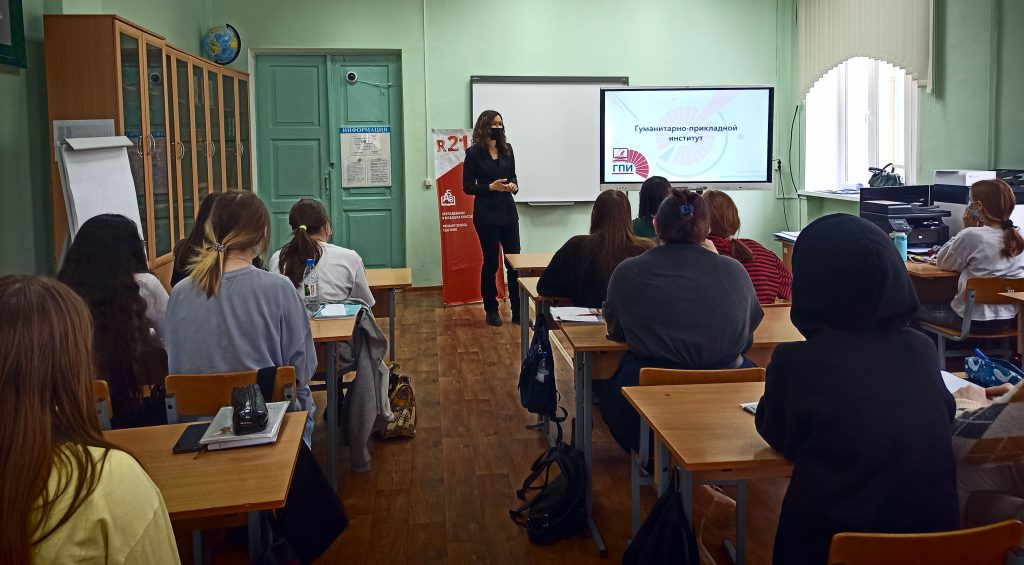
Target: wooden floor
{"type": "Point", "coordinates": [444, 496]}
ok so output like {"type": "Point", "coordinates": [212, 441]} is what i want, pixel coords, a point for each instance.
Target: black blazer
{"type": "Point", "coordinates": [490, 208]}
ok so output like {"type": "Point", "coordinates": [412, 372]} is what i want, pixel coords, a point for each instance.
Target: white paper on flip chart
{"type": "Point", "coordinates": [97, 179]}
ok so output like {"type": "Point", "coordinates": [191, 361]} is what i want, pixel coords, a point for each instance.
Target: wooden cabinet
{"type": "Point", "coordinates": [187, 118]}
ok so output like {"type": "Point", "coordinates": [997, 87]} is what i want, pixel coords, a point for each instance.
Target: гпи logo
{"type": "Point", "coordinates": [629, 162]}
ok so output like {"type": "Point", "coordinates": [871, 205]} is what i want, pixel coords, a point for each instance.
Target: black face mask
{"type": "Point", "coordinates": [497, 134]}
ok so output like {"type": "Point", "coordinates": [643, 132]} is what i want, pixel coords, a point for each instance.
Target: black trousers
{"type": "Point", "coordinates": [507, 236]}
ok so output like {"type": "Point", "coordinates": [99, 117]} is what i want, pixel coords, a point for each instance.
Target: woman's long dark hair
{"type": "Point", "coordinates": [100, 266]}
{"type": "Point", "coordinates": [306, 217]}
{"type": "Point", "coordinates": [187, 249]}
{"type": "Point", "coordinates": [611, 234]}
{"type": "Point", "coordinates": [482, 133]}
{"type": "Point", "coordinates": [652, 192]}
{"type": "Point", "coordinates": [46, 373]}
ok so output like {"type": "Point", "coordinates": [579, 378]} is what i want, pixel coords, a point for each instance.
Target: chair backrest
{"type": "Point", "coordinates": [655, 377]}
{"type": "Point", "coordinates": [986, 545]}
{"type": "Point", "coordinates": [986, 291]}
{"type": "Point", "coordinates": [200, 395]}
{"type": "Point", "coordinates": [104, 409]}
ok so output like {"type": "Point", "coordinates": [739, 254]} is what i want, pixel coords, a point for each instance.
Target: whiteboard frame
{"type": "Point", "coordinates": [506, 79]}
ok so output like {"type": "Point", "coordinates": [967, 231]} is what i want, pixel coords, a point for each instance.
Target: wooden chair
{"type": "Point", "coordinates": [658, 377]}
{"type": "Point", "coordinates": [196, 396]}
{"type": "Point", "coordinates": [104, 409]}
{"type": "Point", "coordinates": [977, 291]}
{"type": "Point", "coordinates": [995, 544]}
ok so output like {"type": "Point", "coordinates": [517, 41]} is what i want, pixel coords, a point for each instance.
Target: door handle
{"type": "Point", "coordinates": [181, 150]}
{"type": "Point", "coordinates": [327, 185]}
{"type": "Point", "coordinates": [241, 148]}
{"type": "Point", "coordinates": [152, 146]}
{"type": "Point", "coordinates": [138, 148]}
{"type": "Point", "coordinates": [213, 149]}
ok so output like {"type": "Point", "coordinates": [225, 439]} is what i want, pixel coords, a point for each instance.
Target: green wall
{"type": "Point", "coordinates": [659, 42]}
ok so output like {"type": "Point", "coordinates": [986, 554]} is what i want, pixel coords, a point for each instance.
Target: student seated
{"type": "Point", "coordinates": [990, 470]}
{"type": "Point", "coordinates": [106, 266]}
{"type": "Point", "coordinates": [652, 192]}
{"type": "Point", "coordinates": [771, 278]}
{"type": "Point", "coordinates": [581, 268]}
{"type": "Point", "coordinates": [230, 316]}
{"type": "Point", "coordinates": [678, 306]}
{"type": "Point", "coordinates": [340, 270]}
{"type": "Point", "coordinates": [69, 496]}
{"type": "Point", "coordinates": [989, 246]}
{"type": "Point", "coordinates": [859, 408]}
{"type": "Point", "coordinates": [187, 249]}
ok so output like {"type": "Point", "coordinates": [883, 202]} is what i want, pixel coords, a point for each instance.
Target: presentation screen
{"type": "Point", "coordinates": [689, 135]}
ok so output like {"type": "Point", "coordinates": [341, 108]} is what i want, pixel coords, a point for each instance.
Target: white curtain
{"type": "Point", "coordinates": [832, 31]}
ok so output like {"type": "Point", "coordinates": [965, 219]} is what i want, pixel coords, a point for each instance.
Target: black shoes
{"type": "Point", "coordinates": [493, 319]}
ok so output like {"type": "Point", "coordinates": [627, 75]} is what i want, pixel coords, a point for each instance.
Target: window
{"type": "Point", "coordinates": [861, 114]}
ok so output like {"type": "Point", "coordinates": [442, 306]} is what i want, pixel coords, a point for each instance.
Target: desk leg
{"type": "Point", "coordinates": [1020, 332]}
{"type": "Point", "coordinates": [685, 491]}
{"type": "Point", "coordinates": [524, 323]}
{"type": "Point", "coordinates": [332, 416]}
{"type": "Point", "coordinates": [254, 537]}
{"type": "Point", "coordinates": [584, 424]}
{"type": "Point", "coordinates": [661, 472]}
{"type": "Point", "coordinates": [738, 552]}
{"type": "Point", "coordinates": [391, 323]}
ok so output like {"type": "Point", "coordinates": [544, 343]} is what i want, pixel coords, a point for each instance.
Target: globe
{"type": "Point", "coordinates": [222, 44]}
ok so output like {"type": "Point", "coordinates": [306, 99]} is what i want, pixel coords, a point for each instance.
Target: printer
{"type": "Point", "coordinates": [922, 223]}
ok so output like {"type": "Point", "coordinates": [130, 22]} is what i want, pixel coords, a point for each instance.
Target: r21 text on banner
{"type": "Point", "coordinates": [461, 258]}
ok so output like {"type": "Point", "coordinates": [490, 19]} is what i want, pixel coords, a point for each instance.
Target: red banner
{"type": "Point", "coordinates": [461, 257]}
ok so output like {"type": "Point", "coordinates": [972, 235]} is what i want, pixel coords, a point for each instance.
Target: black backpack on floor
{"type": "Point", "coordinates": [558, 507]}
{"type": "Point", "coordinates": [666, 537]}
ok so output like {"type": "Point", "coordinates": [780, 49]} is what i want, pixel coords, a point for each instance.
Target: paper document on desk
{"type": "Point", "coordinates": [328, 311]}
{"type": "Point", "coordinates": [789, 236]}
{"type": "Point", "coordinates": [576, 314]}
{"type": "Point", "coordinates": [953, 382]}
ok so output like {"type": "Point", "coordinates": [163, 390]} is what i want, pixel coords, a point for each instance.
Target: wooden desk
{"type": "Point", "coordinates": [387, 281]}
{"type": "Point", "coordinates": [217, 483]}
{"type": "Point", "coordinates": [928, 271]}
{"type": "Point", "coordinates": [703, 429]}
{"type": "Point", "coordinates": [332, 332]}
{"type": "Point", "coordinates": [775, 328]}
{"type": "Point", "coordinates": [596, 357]}
{"type": "Point", "coordinates": [529, 264]}
{"type": "Point", "coordinates": [527, 293]}
{"type": "Point", "coordinates": [932, 283]}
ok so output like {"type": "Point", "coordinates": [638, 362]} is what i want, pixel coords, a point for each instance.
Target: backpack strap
{"type": "Point", "coordinates": [265, 378]}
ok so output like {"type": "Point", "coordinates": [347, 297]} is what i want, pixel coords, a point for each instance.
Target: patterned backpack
{"type": "Point", "coordinates": [403, 404]}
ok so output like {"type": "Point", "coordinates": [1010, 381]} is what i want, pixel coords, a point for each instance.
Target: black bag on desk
{"type": "Point", "coordinates": [886, 176]}
{"type": "Point", "coordinates": [537, 390]}
{"type": "Point", "coordinates": [665, 536]}
{"type": "Point", "coordinates": [249, 410]}
{"type": "Point", "coordinates": [559, 508]}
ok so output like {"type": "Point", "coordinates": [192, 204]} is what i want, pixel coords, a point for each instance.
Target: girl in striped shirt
{"type": "Point", "coordinates": [772, 280]}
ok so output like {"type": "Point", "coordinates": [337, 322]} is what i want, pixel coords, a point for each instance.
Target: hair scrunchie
{"type": "Point", "coordinates": [686, 209]}
{"type": "Point", "coordinates": [303, 227]}
{"type": "Point", "coordinates": [219, 247]}
{"type": "Point", "coordinates": [1008, 224]}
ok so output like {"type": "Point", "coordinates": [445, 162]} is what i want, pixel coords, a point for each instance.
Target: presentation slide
{"type": "Point", "coordinates": [687, 135]}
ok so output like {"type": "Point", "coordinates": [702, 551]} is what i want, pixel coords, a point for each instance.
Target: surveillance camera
{"type": "Point", "coordinates": [154, 78]}
{"type": "Point", "coordinates": [351, 77]}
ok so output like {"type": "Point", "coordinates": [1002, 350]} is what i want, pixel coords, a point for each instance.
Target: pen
{"type": "Point", "coordinates": [980, 354]}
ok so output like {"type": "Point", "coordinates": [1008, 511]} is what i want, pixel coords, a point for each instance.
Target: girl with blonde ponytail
{"type": "Point", "coordinates": [989, 246]}
{"type": "Point", "coordinates": [341, 272]}
{"type": "Point", "coordinates": [230, 316]}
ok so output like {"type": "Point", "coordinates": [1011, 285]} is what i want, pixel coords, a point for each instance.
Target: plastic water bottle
{"type": "Point", "coordinates": [542, 368]}
{"type": "Point", "coordinates": [311, 289]}
{"type": "Point", "coordinates": [901, 244]}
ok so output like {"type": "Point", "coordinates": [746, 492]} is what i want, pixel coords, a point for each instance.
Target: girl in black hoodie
{"type": "Point", "coordinates": [860, 407]}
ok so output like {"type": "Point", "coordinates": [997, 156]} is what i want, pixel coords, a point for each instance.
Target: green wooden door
{"type": "Point", "coordinates": [369, 220]}
{"type": "Point", "coordinates": [293, 159]}
{"type": "Point", "coordinates": [301, 103]}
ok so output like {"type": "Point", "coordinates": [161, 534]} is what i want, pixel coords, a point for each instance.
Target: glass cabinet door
{"type": "Point", "coordinates": [173, 164]}
{"type": "Point", "coordinates": [156, 136]}
{"type": "Point", "coordinates": [201, 137]}
{"type": "Point", "coordinates": [131, 119]}
{"type": "Point", "coordinates": [184, 147]}
{"type": "Point", "coordinates": [216, 145]}
{"type": "Point", "coordinates": [230, 133]}
{"type": "Point", "coordinates": [243, 135]}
